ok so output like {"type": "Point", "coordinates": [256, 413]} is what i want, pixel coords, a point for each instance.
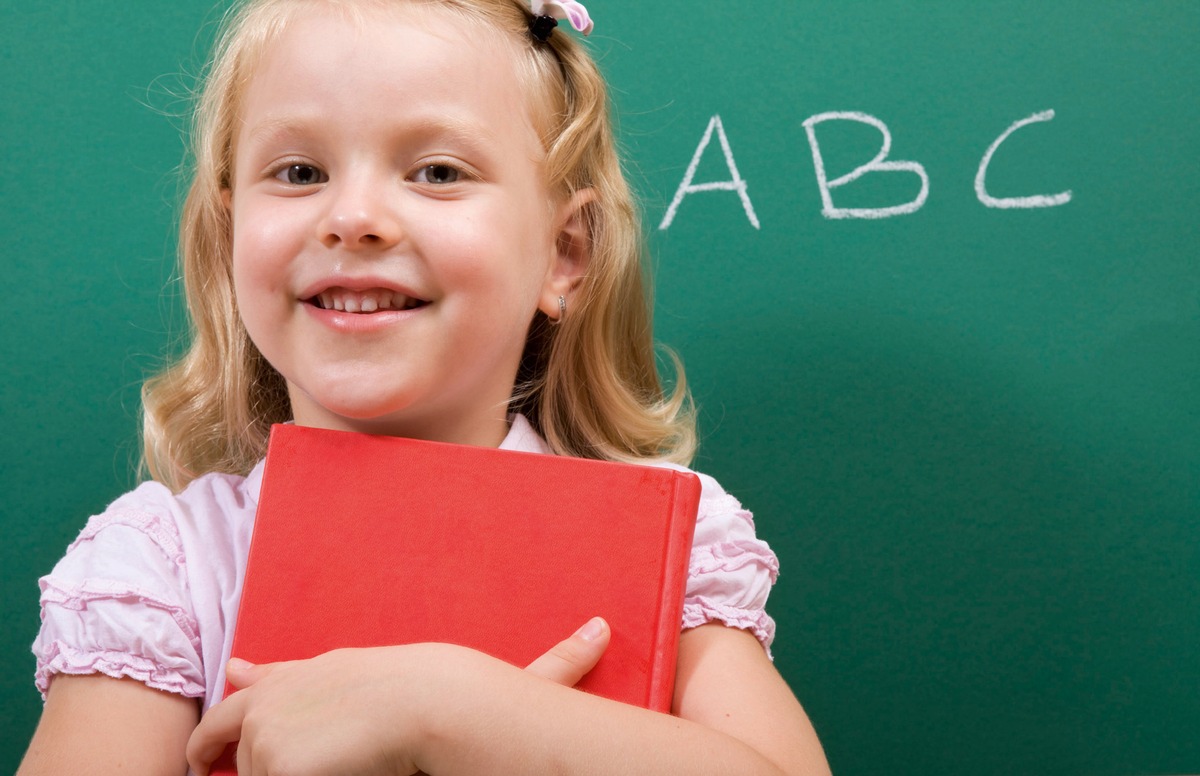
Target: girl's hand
{"type": "Point", "coordinates": [353, 711]}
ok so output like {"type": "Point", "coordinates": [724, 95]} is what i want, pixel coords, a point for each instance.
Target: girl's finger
{"type": "Point", "coordinates": [571, 659]}
{"type": "Point", "coordinates": [221, 726]}
{"type": "Point", "coordinates": [241, 674]}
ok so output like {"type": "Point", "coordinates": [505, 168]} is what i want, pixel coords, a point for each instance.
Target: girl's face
{"type": "Point", "coordinates": [392, 231]}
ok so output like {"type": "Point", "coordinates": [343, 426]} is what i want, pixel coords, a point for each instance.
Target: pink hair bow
{"type": "Point", "coordinates": [564, 10]}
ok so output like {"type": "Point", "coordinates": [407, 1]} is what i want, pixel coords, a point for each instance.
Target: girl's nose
{"type": "Point", "coordinates": [359, 217]}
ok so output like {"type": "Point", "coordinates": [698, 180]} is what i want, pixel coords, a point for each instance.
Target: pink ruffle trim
{"type": "Point", "coordinates": [78, 598]}
{"type": "Point", "coordinates": [726, 504]}
{"type": "Point", "coordinates": [64, 659]}
{"type": "Point", "coordinates": [732, 556]}
{"type": "Point", "coordinates": [700, 611]}
{"type": "Point", "coordinates": [161, 533]}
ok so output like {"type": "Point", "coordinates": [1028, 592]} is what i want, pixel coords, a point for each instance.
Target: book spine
{"type": "Point", "coordinates": [681, 527]}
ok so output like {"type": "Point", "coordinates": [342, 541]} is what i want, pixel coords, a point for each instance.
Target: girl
{"type": "Point", "coordinates": [407, 218]}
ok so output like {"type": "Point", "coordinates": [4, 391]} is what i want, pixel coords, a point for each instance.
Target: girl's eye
{"type": "Point", "coordinates": [436, 173]}
{"type": "Point", "coordinates": [302, 175]}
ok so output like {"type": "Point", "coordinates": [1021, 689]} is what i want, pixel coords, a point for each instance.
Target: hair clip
{"type": "Point", "coordinates": [541, 27]}
{"type": "Point", "coordinates": [547, 14]}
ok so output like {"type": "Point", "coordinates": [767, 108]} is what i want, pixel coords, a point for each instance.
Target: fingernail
{"type": "Point", "coordinates": [592, 630]}
{"type": "Point", "coordinates": [237, 664]}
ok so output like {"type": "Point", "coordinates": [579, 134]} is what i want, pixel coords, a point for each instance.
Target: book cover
{"type": "Point", "coordinates": [364, 540]}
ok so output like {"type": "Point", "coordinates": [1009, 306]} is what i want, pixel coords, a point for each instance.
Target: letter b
{"type": "Point", "coordinates": [878, 164]}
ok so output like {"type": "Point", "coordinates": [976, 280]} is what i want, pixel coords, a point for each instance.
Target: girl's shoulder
{"type": "Point", "coordinates": [731, 570]}
{"type": "Point", "coordinates": [151, 532]}
{"type": "Point", "coordinates": [157, 562]}
{"type": "Point", "coordinates": [720, 512]}
{"type": "Point", "coordinates": [202, 533]}
{"type": "Point", "coordinates": [208, 502]}
{"type": "Point", "coordinates": [216, 489]}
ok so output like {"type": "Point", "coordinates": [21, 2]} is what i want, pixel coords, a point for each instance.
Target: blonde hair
{"type": "Point", "coordinates": [589, 384]}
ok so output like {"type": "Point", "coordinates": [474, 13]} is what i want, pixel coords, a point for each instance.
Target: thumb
{"type": "Point", "coordinates": [242, 673]}
{"type": "Point", "coordinates": [570, 660]}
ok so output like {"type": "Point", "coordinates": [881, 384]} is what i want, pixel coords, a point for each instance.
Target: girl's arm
{"type": "Point", "coordinates": [735, 715]}
{"type": "Point", "coordinates": [98, 725]}
{"type": "Point", "coordinates": [448, 710]}
{"type": "Point", "coordinates": [756, 707]}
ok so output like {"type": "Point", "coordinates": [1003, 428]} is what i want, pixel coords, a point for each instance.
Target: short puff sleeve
{"type": "Point", "coordinates": [731, 570]}
{"type": "Point", "coordinates": [117, 603]}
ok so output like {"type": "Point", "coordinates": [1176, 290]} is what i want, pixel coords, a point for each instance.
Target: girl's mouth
{"type": "Point", "coordinates": [369, 301]}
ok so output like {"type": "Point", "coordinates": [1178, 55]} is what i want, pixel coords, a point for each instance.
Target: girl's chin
{"type": "Point", "coordinates": [351, 420]}
{"type": "Point", "coordinates": [490, 432]}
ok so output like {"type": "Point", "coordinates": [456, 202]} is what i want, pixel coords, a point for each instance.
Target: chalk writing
{"type": "Point", "coordinates": [1034, 200]}
{"type": "Point", "coordinates": [735, 183]}
{"type": "Point", "coordinates": [878, 164]}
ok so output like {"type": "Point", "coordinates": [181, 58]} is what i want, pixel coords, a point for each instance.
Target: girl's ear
{"type": "Point", "coordinates": [227, 198]}
{"type": "Point", "coordinates": [572, 251]}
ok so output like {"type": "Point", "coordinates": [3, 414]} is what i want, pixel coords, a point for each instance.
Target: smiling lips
{"type": "Point", "coordinates": [369, 301]}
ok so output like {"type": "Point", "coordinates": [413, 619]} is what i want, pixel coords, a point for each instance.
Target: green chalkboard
{"type": "Point", "coordinates": [964, 408]}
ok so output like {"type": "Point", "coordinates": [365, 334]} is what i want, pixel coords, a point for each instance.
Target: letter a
{"type": "Point", "coordinates": [735, 184]}
{"type": "Point", "coordinates": [875, 165]}
{"type": "Point", "coordinates": [1034, 200]}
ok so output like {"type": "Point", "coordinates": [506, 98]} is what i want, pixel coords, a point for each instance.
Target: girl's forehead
{"type": "Point", "coordinates": [387, 67]}
{"type": "Point", "coordinates": [315, 38]}
{"type": "Point", "coordinates": [454, 24]}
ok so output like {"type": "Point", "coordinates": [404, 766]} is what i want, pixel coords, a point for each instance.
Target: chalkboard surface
{"type": "Point", "coordinates": [958, 382]}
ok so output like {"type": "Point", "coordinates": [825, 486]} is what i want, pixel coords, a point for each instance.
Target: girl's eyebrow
{"type": "Point", "coordinates": [274, 129]}
{"type": "Point", "coordinates": [455, 130]}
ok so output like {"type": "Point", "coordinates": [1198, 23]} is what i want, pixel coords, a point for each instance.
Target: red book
{"type": "Point", "coordinates": [364, 540]}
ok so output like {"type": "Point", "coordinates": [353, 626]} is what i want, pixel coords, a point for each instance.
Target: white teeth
{"type": "Point", "coordinates": [374, 300]}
